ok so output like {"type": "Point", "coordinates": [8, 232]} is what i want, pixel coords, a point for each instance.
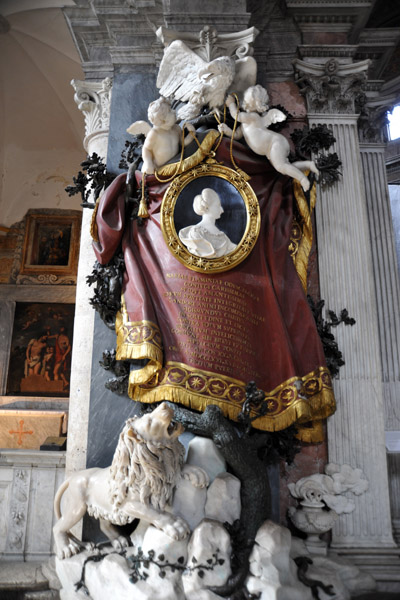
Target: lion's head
{"type": "Point", "coordinates": [148, 459]}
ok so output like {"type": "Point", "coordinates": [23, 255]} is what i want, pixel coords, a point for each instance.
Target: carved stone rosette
{"type": "Point", "coordinates": [94, 99]}
{"type": "Point", "coordinates": [331, 87]}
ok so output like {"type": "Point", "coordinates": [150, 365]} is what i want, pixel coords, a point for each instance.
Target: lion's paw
{"type": "Point", "coordinates": [177, 528]}
{"type": "Point", "coordinates": [120, 543]}
{"type": "Point", "coordinates": [89, 546]}
{"type": "Point", "coordinates": [196, 475]}
{"type": "Point", "coordinates": [68, 550]}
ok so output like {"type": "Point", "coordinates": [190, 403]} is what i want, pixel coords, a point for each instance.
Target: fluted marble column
{"type": "Point", "coordinates": [356, 430]}
{"type": "Point", "coordinates": [386, 276]}
{"type": "Point", "coordinates": [388, 298]}
{"type": "Point", "coordinates": [93, 99]}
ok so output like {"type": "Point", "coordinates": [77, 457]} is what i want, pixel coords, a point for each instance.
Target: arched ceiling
{"type": "Point", "coordinates": [41, 128]}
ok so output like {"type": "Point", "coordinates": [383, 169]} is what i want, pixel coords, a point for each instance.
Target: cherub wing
{"type": "Point", "coordinates": [177, 76]}
{"type": "Point", "coordinates": [274, 115]}
{"type": "Point", "coordinates": [139, 128]}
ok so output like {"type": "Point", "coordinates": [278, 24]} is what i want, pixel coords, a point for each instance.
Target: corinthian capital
{"type": "Point", "coordinates": [331, 88]}
{"type": "Point", "coordinates": [93, 99]}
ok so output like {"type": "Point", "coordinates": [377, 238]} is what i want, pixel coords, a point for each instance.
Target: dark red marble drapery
{"type": "Point", "coordinates": [206, 335]}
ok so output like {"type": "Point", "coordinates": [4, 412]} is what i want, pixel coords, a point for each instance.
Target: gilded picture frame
{"type": "Point", "coordinates": [237, 226]}
{"type": "Point", "coordinates": [51, 245]}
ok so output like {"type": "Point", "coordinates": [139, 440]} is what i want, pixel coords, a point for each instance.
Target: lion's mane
{"type": "Point", "coordinates": [148, 470]}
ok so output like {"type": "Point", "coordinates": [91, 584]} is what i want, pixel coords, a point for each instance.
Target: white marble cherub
{"type": "Point", "coordinates": [254, 124]}
{"type": "Point", "coordinates": [163, 136]}
{"type": "Point", "coordinates": [205, 239]}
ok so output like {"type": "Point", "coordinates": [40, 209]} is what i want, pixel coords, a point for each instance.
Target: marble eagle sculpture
{"type": "Point", "coordinates": [185, 76]}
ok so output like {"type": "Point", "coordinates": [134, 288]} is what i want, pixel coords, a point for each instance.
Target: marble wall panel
{"type": "Point", "coordinates": [131, 95]}
{"type": "Point", "coordinates": [29, 480]}
{"type": "Point", "coordinates": [108, 411]}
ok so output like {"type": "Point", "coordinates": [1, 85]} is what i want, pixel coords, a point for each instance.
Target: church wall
{"type": "Point", "coordinates": [37, 179]}
{"type": "Point", "coordinates": [40, 153]}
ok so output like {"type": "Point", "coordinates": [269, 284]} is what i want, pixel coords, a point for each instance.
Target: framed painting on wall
{"type": "Point", "coordinates": [51, 245]}
{"type": "Point", "coordinates": [41, 347]}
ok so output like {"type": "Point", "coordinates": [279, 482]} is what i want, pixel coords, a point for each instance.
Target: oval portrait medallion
{"type": "Point", "coordinates": [210, 218]}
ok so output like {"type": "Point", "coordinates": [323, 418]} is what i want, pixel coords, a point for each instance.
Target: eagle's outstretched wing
{"type": "Point", "coordinates": [177, 76]}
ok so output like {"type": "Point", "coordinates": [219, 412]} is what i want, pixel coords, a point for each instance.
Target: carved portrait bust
{"type": "Point", "coordinates": [205, 239]}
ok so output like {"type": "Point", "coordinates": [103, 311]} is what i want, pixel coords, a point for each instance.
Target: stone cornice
{"type": "Point", "coordinates": [378, 45]}
{"type": "Point", "coordinates": [224, 44]}
{"type": "Point", "coordinates": [390, 90]}
{"type": "Point", "coordinates": [122, 32]}
{"type": "Point", "coordinates": [108, 35]}
{"type": "Point", "coordinates": [32, 458]}
{"type": "Point", "coordinates": [319, 53]}
{"type": "Point", "coordinates": [340, 16]}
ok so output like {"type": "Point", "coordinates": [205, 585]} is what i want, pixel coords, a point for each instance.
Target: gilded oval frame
{"type": "Point", "coordinates": [251, 209]}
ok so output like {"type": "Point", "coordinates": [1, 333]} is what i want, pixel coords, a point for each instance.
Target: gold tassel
{"type": "Point", "coordinates": [143, 212]}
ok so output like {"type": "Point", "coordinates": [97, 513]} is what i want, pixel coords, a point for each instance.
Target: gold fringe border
{"type": "Point", "coordinates": [191, 161]}
{"type": "Point", "coordinates": [148, 349]}
{"type": "Point", "coordinates": [301, 410]}
{"type": "Point", "coordinates": [143, 375]}
{"type": "Point", "coordinates": [93, 223]}
{"type": "Point", "coordinates": [313, 434]}
{"type": "Point", "coordinates": [302, 255]}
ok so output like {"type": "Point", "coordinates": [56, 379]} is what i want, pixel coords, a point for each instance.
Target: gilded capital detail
{"type": "Point", "coordinates": [331, 88]}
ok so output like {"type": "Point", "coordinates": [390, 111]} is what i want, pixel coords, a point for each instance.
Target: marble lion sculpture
{"type": "Point", "coordinates": [139, 484]}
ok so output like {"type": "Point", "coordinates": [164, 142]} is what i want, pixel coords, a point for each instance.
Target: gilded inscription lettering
{"type": "Point", "coordinates": [217, 315]}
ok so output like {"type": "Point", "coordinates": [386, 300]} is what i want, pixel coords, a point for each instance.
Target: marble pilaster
{"type": "Point", "coordinates": [93, 99]}
{"type": "Point", "coordinates": [386, 278]}
{"type": "Point", "coordinates": [28, 482]}
{"type": "Point", "coordinates": [387, 289]}
{"type": "Point", "coordinates": [356, 431]}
